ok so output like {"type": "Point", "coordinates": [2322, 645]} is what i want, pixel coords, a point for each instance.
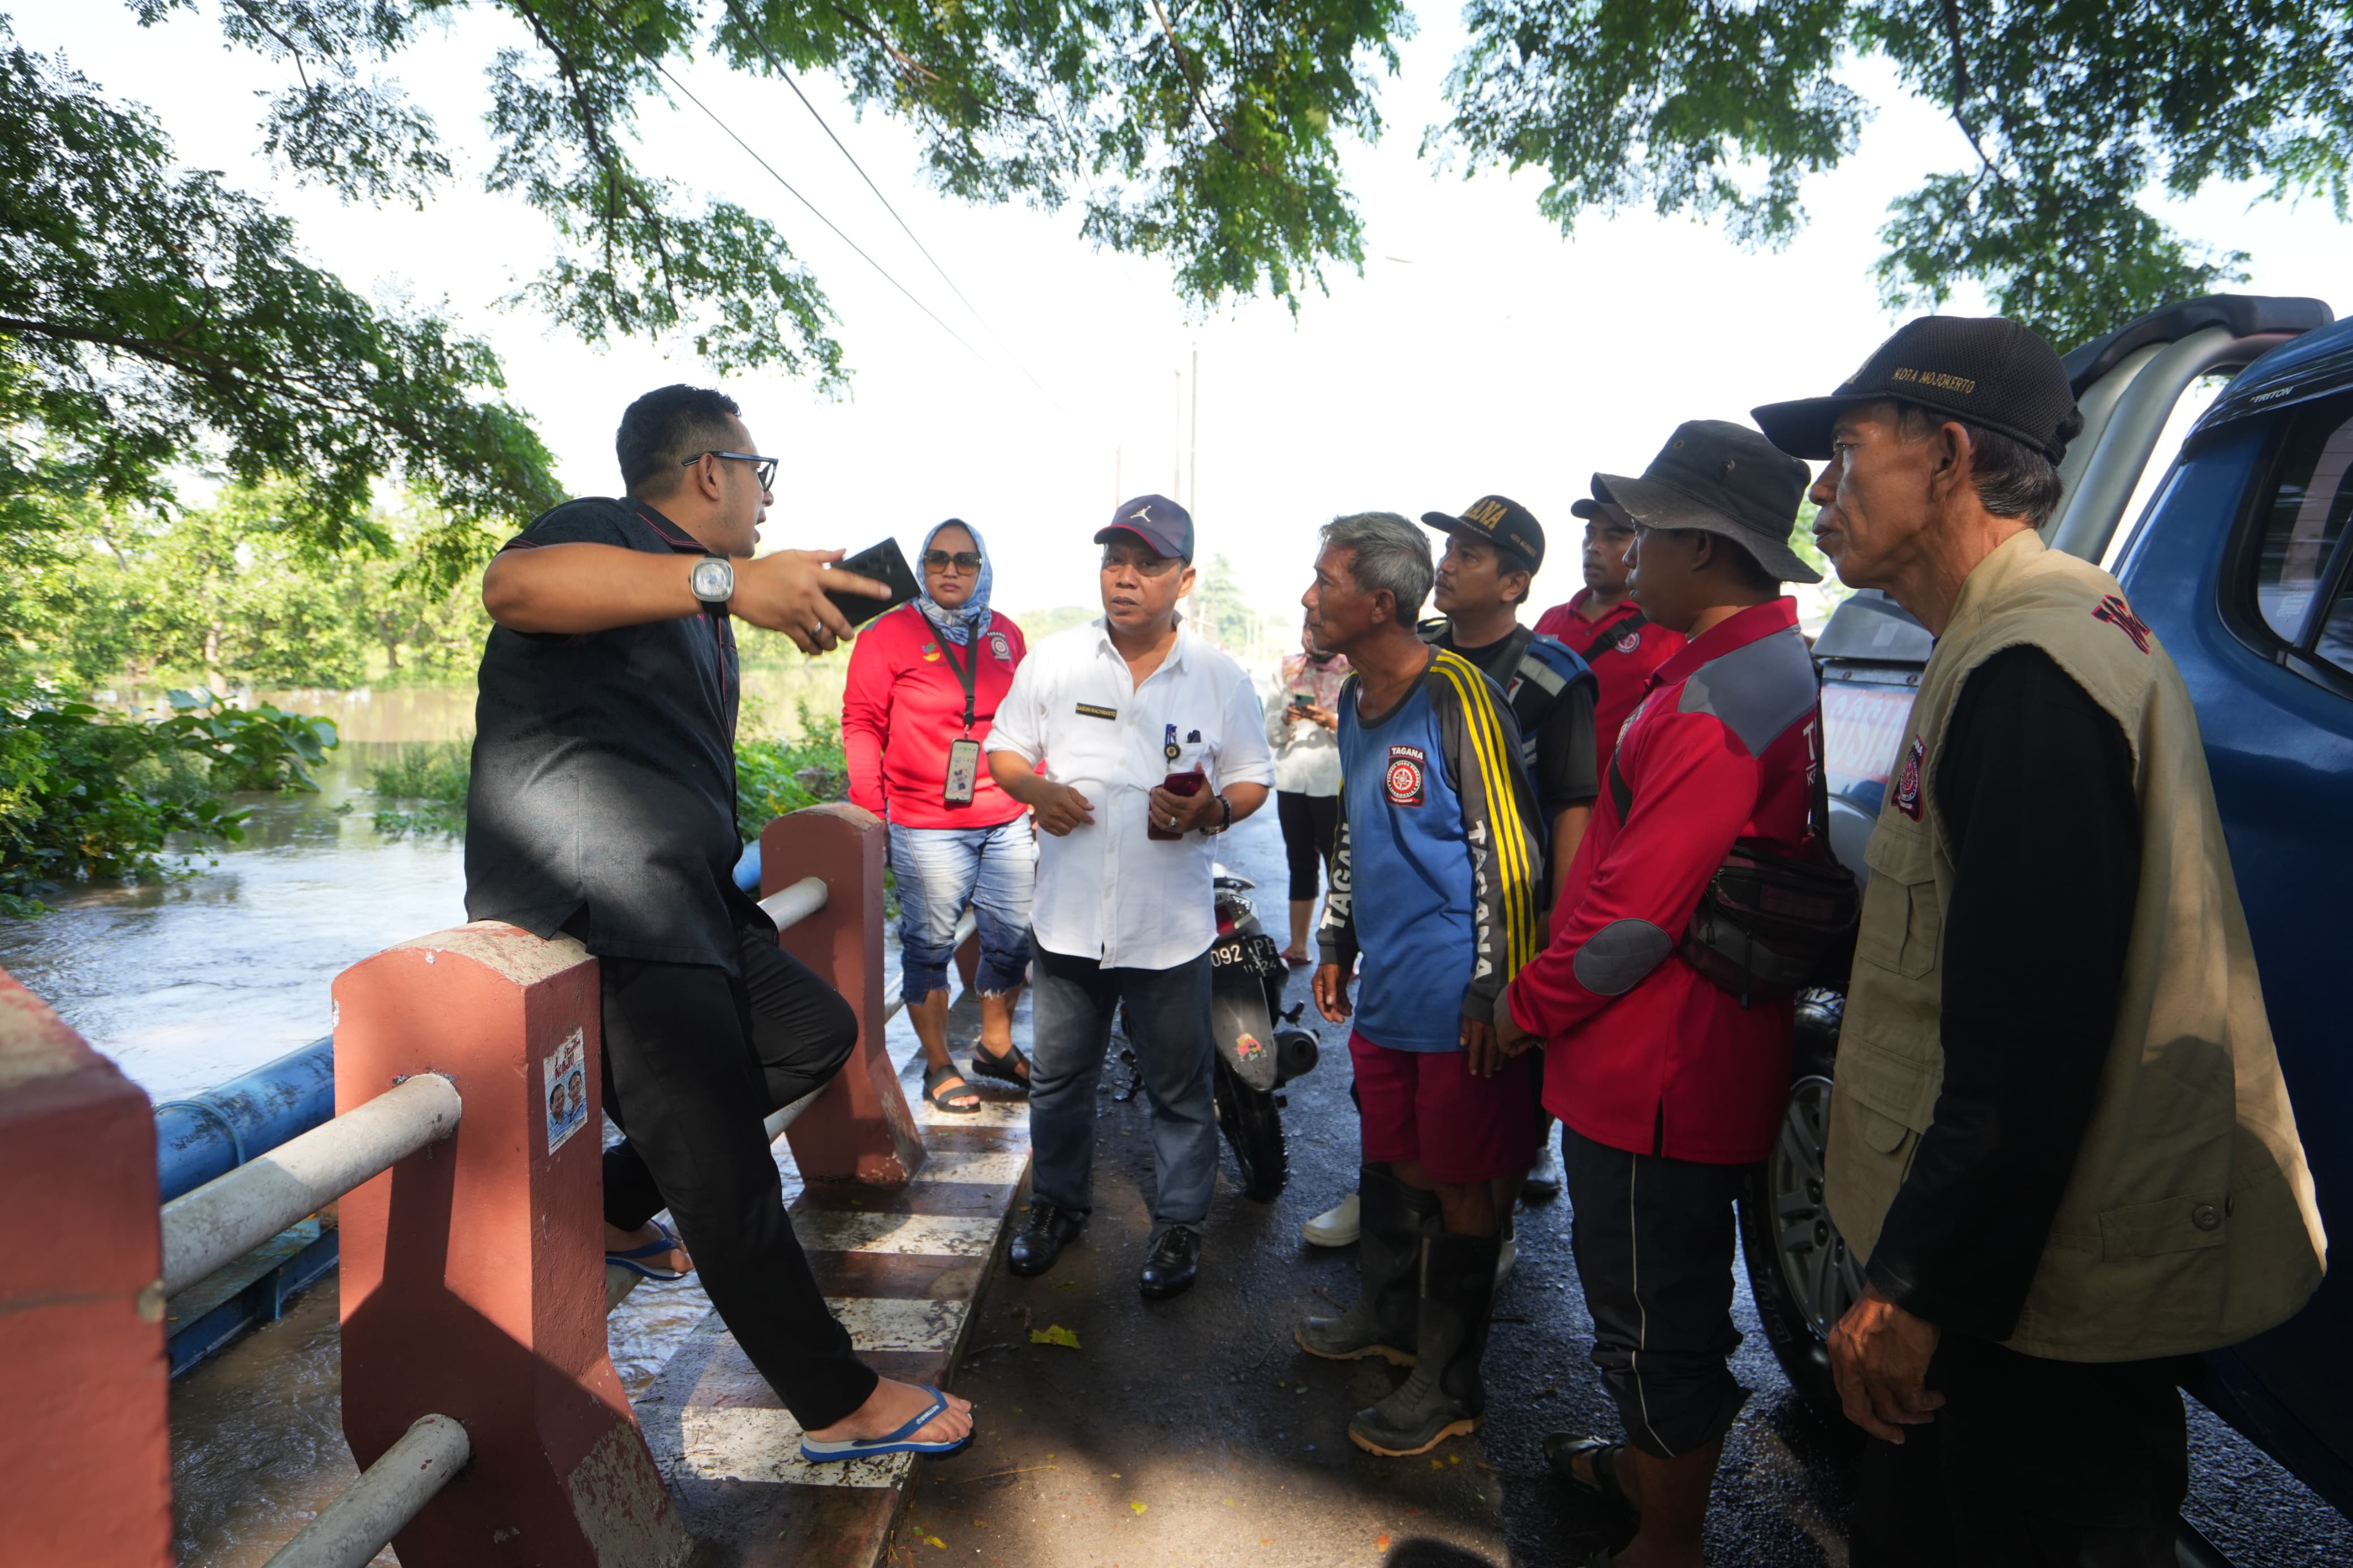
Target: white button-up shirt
{"type": "Point", "coordinates": [1108, 891]}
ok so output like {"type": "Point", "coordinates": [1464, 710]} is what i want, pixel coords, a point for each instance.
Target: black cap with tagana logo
{"type": "Point", "coordinates": [1980, 370]}
{"type": "Point", "coordinates": [1498, 521]}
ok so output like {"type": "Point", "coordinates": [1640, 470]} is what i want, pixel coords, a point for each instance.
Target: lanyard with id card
{"type": "Point", "coordinates": [963, 754]}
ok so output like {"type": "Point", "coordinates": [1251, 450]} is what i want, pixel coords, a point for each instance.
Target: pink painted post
{"type": "Point", "coordinates": [861, 1129]}
{"type": "Point", "coordinates": [473, 1271]}
{"type": "Point", "coordinates": [86, 1449]}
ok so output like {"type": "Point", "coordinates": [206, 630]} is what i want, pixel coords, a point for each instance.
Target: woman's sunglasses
{"type": "Point", "coordinates": [963, 560]}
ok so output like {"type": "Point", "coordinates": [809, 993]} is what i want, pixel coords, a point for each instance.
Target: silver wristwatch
{"type": "Point", "coordinates": [713, 579]}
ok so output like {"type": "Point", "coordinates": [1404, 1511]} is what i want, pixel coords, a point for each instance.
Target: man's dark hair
{"type": "Point", "coordinates": [2013, 479]}
{"type": "Point", "coordinates": [665, 427]}
{"type": "Point", "coordinates": [1510, 560]}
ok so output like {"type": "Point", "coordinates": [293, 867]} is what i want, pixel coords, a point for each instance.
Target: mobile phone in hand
{"type": "Point", "coordinates": [1301, 702]}
{"type": "Point", "coordinates": [885, 564]}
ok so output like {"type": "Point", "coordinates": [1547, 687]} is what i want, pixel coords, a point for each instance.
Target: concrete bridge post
{"type": "Point", "coordinates": [473, 1270]}
{"type": "Point", "coordinates": [859, 1129]}
{"type": "Point", "coordinates": [85, 1447]}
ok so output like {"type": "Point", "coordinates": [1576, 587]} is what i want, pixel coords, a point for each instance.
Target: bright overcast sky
{"type": "Point", "coordinates": [1480, 351]}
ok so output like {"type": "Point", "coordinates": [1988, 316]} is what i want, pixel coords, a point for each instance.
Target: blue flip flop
{"type": "Point", "coordinates": [629, 1260]}
{"type": "Point", "coordinates": [902, 1441]}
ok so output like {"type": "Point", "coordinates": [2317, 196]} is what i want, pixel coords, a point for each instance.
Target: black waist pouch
{"type": "Point", "coordinates": [1770, 925]}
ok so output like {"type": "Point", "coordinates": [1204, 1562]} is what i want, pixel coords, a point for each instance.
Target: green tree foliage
{"type": "Point", "coordinates": [776, 774]}
{"type": "Point", "coordinates": [1223, 613]}
{"type": "Point", "coordinates": [1205, 134]}
{"type": "Point", "coordinates": [2067, 113]}
{"type": "Point", "coordinates": [234, 594]}
{"type": "Point", "coordinates": [151, 318]}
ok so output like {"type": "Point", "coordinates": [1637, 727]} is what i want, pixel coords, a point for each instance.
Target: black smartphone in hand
{"type": "Point", "coordinates": [884, 564]}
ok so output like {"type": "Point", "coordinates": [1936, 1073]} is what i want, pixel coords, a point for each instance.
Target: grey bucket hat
{"type": "Point", "coordinates": [1722, 478]}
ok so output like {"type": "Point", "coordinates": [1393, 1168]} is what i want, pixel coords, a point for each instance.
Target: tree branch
{"type": "Point", "coordinates": [1192, 86]}
{"type": "Point", "coordinates": [1964, 89]}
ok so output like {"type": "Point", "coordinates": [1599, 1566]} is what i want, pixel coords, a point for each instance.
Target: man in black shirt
{"type": "Point", "coordinates": [603, 805]}
{"type": "Point", "coordinates": [1494, 550]}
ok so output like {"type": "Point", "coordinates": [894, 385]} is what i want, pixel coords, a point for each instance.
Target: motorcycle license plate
{"type": "Point", "coordinates": [1257, 954]}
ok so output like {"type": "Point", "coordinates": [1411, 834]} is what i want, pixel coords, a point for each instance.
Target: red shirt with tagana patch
{"type": "Point", "coordinates": [1640, 1053]}
{"type": "Point", "coordinates": [1623, 655]}
{"type": "Point", "coordinates": [902, 708]}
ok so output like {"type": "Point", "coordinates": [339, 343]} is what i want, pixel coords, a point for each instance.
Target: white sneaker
{"type": "Point", "coordinates": [1544, 1176]}
{"type": "Point", "coordinates": [1335, 1226]}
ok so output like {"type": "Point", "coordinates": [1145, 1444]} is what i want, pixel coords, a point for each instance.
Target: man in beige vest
{"type": "Point", "coordinates": [2060, 1136]}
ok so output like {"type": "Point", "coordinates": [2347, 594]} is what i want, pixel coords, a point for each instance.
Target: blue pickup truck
{"type": "Point", "coordinates": [2243, 561]}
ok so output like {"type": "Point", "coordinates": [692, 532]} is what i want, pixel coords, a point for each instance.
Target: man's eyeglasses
{"type": "Point", "coordinates": [766, 471]}
{"type": "Point", "coordinates": [963, 560]}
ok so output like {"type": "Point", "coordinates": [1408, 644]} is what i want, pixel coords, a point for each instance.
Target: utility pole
{"type": "Point", "coordinates": [1193, 481]}
{"type": "Point", "coordinates": [1177, 440]}
{"type": "Point", "coordinates": [1118, 476]}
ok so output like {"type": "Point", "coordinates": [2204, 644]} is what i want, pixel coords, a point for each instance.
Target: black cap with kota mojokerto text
{"type": "Point", "coordinates": [1980, 370]}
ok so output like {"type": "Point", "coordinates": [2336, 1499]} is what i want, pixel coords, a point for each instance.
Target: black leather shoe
{"type": "Point", "coordinates": [1039, 1240]}
{"type": "Point", "coordinates": [1174, 1264]}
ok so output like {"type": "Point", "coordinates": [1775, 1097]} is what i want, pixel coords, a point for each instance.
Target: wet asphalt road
{"type": "Point", "coordinates": [1194, 1431]}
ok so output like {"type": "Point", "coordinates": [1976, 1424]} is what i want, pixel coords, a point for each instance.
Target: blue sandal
{"type": "Point", "coordinates": [902, 1441]}
{"type": "Point", "coordinates": [629, 1260]}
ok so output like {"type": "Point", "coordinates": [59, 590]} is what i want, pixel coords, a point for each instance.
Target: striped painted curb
{"type": "Point", "coordinates": [902, 1269]}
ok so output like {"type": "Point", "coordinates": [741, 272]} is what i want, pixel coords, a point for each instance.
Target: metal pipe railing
{"type": "Point", "coordinates": [350, 1530]}
{"type": "Point", "coordinates": [788, 906]}
{"type": "Point", "coordinates": [230, 1216]}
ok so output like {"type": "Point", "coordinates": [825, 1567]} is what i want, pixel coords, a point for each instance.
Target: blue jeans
{"type": "Point", "coordinates": [942, 870]}
{"type": "Point", "coordinates": [1168, 1024]}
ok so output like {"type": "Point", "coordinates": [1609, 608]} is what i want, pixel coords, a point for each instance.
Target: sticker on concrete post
{"type": "Point", "coordinates": [567, 1090]}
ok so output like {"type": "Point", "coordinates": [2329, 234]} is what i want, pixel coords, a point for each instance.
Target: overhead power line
{"type": "Point", "coordinates": [778, 66]}
{"type": "Point", "coordinates": [814, 210]}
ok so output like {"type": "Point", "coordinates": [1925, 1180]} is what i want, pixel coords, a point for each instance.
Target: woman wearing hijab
{"type": "Point", "coordinates": [1301, 723]}
{"type": "Point", "coordinates": [924, 683]}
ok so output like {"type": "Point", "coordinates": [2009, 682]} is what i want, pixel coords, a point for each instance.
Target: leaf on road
{"type": "Point", "coordinates": [1381, 1542]}
{"type": "Point", "coordinates": [1054, 1334]}
{"type": "Point", "coordinates": [1138, 1507]}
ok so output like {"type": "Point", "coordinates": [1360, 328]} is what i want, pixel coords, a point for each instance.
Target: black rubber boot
{"type": "Point", "coordinates": [1384, 1321]}
{"type": "Point", "coordinates": [1444, 1395]}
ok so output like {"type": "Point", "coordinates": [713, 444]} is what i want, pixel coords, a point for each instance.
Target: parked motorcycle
{"type": "Point", "coordinates": [1258, 1047]}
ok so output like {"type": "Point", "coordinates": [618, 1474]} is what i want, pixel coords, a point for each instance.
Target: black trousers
{"type": "Point", "coordinates": [694, 1060]}
{"type": "Point", "coordinates": [1309, 823]}
{"type": "Point", "coordinates": [1653, 1239]}
{"type": "Point", "coordinates": [2030, 1463]}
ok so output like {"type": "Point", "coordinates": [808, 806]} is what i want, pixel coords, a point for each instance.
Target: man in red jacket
{"type": "Point", "coordinates": [1620, 643]}
{"type": "Point", "coordinates": [1667, 1086]}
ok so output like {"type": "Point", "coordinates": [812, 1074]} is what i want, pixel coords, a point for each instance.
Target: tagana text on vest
{"type": "Point", "coordinates": [2189, 1221]}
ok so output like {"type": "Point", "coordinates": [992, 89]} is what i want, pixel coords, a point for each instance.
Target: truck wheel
{"type": "Point", "coordinates": [1800, 1272]}
{"type": "Point", "coordinates": [1253, 1127]}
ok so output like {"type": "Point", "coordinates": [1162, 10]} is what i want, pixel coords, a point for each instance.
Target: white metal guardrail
{"type": "Point", "coordinates": [212, 1227]}
{"type": "Point", "coordinates": [350, 1530]}
{"type": "Point", "coordinates": [231, 1215]}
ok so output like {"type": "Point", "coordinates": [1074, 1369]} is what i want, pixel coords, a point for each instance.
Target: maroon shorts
{"type": "Point", "coordinates": [1426, 1106]}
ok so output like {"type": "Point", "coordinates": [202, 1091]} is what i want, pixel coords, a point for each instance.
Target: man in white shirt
{"type": "Point", "coordinates": [1119, 711]}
